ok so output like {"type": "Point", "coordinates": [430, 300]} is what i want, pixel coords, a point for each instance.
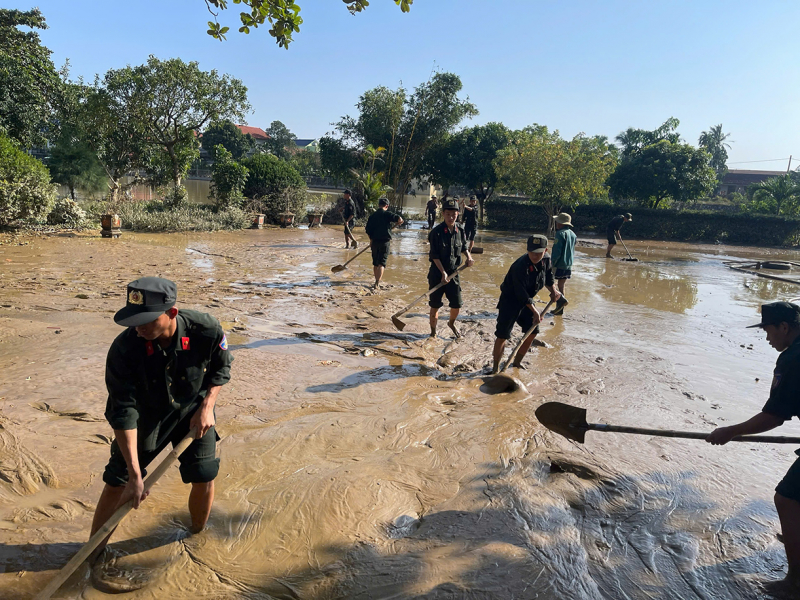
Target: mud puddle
{"type": "Point", "coordinates": [363, 462]}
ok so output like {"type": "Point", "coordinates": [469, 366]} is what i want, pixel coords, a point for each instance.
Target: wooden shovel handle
{"type": "Point", "coordinates": [691, 435]}
{"type": "Point", "coordinates": [359, 253]}
{"type": "Point", "coordinates": [430, 291]}
{"type": "Point", "coordinates": [112, 523]}
{"type": "Point", "coordinates": [524, 337]}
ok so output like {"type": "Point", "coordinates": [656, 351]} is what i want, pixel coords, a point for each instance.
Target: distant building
{"type": "Point", "coordinates": [311, 145]}
{"type": "Point", "coordinates": [737, 180]}
{"type": "Point", "coordinates": [259, 136]}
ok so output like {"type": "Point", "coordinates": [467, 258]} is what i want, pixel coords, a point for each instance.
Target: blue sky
{"type": "Point", "coordinates": [595, 67]}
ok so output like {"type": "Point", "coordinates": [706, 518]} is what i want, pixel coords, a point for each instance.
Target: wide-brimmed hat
{"type": "Point", "coordinates": [537, 243]}
{"type": "Point", "coordinates": [776, 313]}
{"type": "Point", "coordinates": [148, 298]}
{"type": "Point", "coordinates": [563, 219]}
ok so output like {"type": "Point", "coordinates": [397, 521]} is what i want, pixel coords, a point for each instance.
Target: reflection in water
{"type": "Point", "coordinates": [646, 285]}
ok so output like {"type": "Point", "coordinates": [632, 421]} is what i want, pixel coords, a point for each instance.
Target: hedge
{"type": "Point", "coordinates": [656, 224]}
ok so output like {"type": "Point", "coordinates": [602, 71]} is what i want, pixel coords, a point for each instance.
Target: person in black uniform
{"type": "Point", "coordinates": [527, 275]}
{"type": "Point", "coordinates": [781, 322]}
{"type": "Point", "coordinates": [163, 374]}
{"type": "Point", "coordinates": [430, 211]}
{"type": "Point", "coordinates": [471, 220]}
{"type": "Point", "coordinates": [379, 230]}
{"type": "Point", "coordinates": [348, 211]}
{"type": "Point", "coordinates": [612, 230]}
{"type": "Point", "coordinates": [447, 241]}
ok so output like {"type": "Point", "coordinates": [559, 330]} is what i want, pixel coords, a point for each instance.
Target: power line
{"type": "Point", "coordinates": [742, 162]}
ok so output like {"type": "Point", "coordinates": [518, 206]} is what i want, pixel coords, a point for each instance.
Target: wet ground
{"type": "Point", "coordinates": [363, 462]}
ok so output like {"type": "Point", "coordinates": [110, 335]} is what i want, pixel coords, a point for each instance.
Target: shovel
{"type": "Point", "coordinates": [338, 268]}
{"type": "Point", "coordinates": [570, 421]}
{"type": "Point", "coordinates": [630, 258]}
{"type": "Point", "coordinates": [476, 250]}
{"type": "Point", "coordinates": [501, 382]}
{"type": "Point", "coordinates": [112, 523]}
{"type": "Point", "coordinates": [400, 324]}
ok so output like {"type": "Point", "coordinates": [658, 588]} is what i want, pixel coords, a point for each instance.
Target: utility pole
{"type": "Point", "coordinates": [789, 169]}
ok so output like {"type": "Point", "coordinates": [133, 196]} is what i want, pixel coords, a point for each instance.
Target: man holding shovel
{"type": "Point", "coordinates": [379, 230]}
{"type": "Point", "coordinates": [781, 322]}
{"type": "Point", "coordinates": [527, 275]}
{"type": "Point", "coordinates": [348, 211]}
{"type": "Point", "coordinates": [163, 375]}
{"type": "Point", "coordinates": [612, 230]}
{"type": "Point", "coordinates": [447, 241]}
{"type": "Point", "coordinates": [430, 211]}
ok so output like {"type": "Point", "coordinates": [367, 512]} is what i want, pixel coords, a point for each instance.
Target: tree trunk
{"type": "Point", "coordinates": [176, 176]}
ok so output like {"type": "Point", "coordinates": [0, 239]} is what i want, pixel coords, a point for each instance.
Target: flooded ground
{"type": "Point", "coordinates": [363, 462]}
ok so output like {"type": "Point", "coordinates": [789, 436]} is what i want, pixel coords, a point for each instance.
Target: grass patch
{"type": "Point", "coordinates": [156, 217]}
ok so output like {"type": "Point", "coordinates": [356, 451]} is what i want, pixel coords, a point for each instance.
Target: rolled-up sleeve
{"type": "Point", "coordinates": [121, 406]}
{"type": "Point", "coordinates": [219, 367]}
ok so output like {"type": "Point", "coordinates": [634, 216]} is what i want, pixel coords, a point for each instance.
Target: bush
{"type": "Point", "coordinates": [25, 188]}
{"type": "Point", "coordinates": [273, 205]}
{"type": "Point", "coordinates": [227, 179]}
{"type": "Point", "coordinates": [157, 216]}
{"type": "Point", "coordinates": [269, 175]}
{"type": "Point", "coordinates": [174, 196]}
{"type": "Point", "coordinates": [66, 212]}
{"type": "Point", "coordinates": [656, 224]}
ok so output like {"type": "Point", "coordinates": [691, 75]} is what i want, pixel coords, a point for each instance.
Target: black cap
{"type": "Point", "coordinates": [775, 313]}
{"type": "Point", "coordinates": [148, 298]}
{"type": "Point", "coordinates": [346, 192]}
{"type": "Point", "coordinates": [383, 202]}
{"type": "Point", "coordinates": [473, 197]}
{"type": "Point", "coordinates": [450, 204]}
{"type": "Point", "coordinates": [537, 243]}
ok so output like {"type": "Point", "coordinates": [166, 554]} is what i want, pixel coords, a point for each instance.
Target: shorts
{"type": "Point", "coordinates": [199, 463]}
{"type": "Point", "coordinates": [789, 487]}
{"type": "Point", "coordinates": [562, 274]}
{"type": "Point", "coordinates": [470, 231]}
{"type": "Point", "coordinates": [347, 230]}
{"type": "Point", "coordinates": [452, 290]}
{"type": "Point", "coordinates": [612, 238]}
{"type": "Point", "coordinates": [508, 315]}
{"type": "Point", "coordinates": [380, 253]}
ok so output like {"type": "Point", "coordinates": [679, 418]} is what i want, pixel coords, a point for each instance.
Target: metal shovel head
{"type": "Point", "coordinates": [338, 268]}
{"type": "Point", "coordinates": [398, 323]}
{"type": "Point", "coordinates": [476, 250]}
{"type": "Point", "coordinates": [501, 383]}
{"type": "Point", "coordinates": [631, 259]}
{"type": "Point", "coordinates": [566, 420]}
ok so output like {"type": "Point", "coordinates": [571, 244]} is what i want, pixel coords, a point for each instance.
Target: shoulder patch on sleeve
{"type": "Point", "coordinates": [224, 343]}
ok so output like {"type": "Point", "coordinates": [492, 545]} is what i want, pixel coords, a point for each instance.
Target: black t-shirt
{"type": "Point", "coordinates": [446, 245]}
{"type": "Point", "coordinates": [784, 395]}
{"type": "Point", "coordinates": [615, 223]}
{"type": "Point", "coordinates": [349, 209]}
{"type": "Point", "coordinates": [379, 225]}
{"type": "Point", "coordinates": [470, 217]}
{"type": "Point", "coordinates": [524, 280]}
{"type": "Point", "coordinates": [430, 208]}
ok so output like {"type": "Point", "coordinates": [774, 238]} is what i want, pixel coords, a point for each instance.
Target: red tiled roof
{"type": "Point", "coordinates": [256, 132]}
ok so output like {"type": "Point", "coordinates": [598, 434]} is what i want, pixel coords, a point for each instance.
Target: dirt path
{"type": "Point", "coordinates": [362, 462]}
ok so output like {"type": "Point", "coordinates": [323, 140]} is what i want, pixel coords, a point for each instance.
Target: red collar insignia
{"type": "Point", "coordinates": [148, 346]}
{"type": "Point", "coordinates": [185, 343]}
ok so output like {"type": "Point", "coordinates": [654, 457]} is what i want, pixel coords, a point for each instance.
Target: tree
{"type": "Point", "coordinates": [283, 15]}
{"type": "Point", "coordinates": [73, 163]}
{"type": "Point", "coordinates": [25, 188]}
{"type": "Point", "coordinates": [713, 142]}
{"type": "Point", "coordinates": [307, 162]}
{"type": "Point", "coordinates": [281, 141]}
{"type": "Point", "coordinates": [778, 195]}
{"type": "Point", "coordinates": [467, 158]}
{"type": "Point", "coordinates": [369, 180]}
{"type": "Point", "coordinates": [29, 83]}
{"type": "Point", "coordinates": [635, 140]}
{"type": "Point", "coordinates": [661, 172]}
{"type": "Point", "coordinates": [408, 126]}
{"type": "Point", "coordinates": [173, 100]}
{"type": "Point", "coordinates": [336, 158]}
{"type": "Point", "coordinates": [554, 172]}
{"type": "Point", "coordinates": [228, 179]}
{"type": "Point", "coordinates": [269, 175]}
{"type": "Point", "coordinates": [229, 136]}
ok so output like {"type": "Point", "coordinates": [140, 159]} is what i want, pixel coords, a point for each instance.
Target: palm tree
{"type": "Point", "coordinates": [370, 181]}
{"type": "Point", "coordinates": [713, 142]}
{"type": "Point", "coordinates": [783, 191]}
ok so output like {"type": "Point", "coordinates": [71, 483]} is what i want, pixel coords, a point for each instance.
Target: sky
{"type": "Point", "coordinates": [580, 66]}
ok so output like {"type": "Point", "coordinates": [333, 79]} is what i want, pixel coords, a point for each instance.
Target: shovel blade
{"type": "Point", "coordinates": [338, 268]}
{"type": "Point", "coordinates": [501, 383]}
{"type": "Point", "coordinates": [476, 250]}
{"type": "Point", "coordinates": [566, 420]}
{"type": "Point", "coordinates": [398, 323]}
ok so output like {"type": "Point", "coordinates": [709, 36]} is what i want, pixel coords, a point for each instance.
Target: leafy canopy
{"type": "Point", "coordinates": [229, 136]}
{"type": "Point", "coordinates": [282, 15]}
{"type": "Point", "coordinates": [778, 195]}
{"type": "Point", "coordinates": [228, 179]}
{"type": "Point", "coordinates": [73, 163]}
{"type": "Point", "coordinates": [635, 140]}
{"type": "Point", "coordinates": [713, 142]}
{"type": "Point", "coordinates": [25, 188]}
{"type": "Point", "coordinates": [281, 141]}
{"type": "Point", "coordinates": [270, 176]}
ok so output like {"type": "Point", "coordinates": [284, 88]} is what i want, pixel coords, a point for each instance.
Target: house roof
{"type": "Point", "coordinates": [256, 132]}
{"type": "Point", "coordinates": [302, 143]}
{"type": "Point", "coordinates": [744, 177]}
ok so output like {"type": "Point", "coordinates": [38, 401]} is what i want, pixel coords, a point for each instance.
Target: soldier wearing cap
{"type": "Point", "coordinates": [563, 256]}
{"type": "Point", "coordinates": [471, 220]}
{"type": "Point", "coordinates": [430, 211]}
{"type": "Point", "coordinates": [781, 322]}
{"type": "Point", "coordinates": [379, 230]}
{"type": "Point", "coordinates": [348, 211]}
{"type": "Point", "coordinates": [163, 374]}
{"type": "Point", "coordinates": [527, 275]}
{"type": "Point", "coordinates": [612, 230]}
{"type": "Point", "coordinates": [447, 241]}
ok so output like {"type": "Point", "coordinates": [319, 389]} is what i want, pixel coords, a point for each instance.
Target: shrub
{"type": "Point", "coordinates": [269, 175]}
{"type": "Point", "coordinates": [156, 216]}
{"type": "Point", "coordinates": [174, 196]}
{"type": "Point", "coordinates": [228, 179]}
{"type": "Point", "coordinates": [25, 188]}
{"type": "Point", "coordinates": [273, 205]}
{"type": "Point", "coordinates": [66, 212]}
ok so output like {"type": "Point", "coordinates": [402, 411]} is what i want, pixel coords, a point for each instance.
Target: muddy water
{"type": "Point", "coordinates": [363, 462]}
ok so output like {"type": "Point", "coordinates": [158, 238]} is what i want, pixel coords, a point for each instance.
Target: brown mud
{"type": "Point", "coordinates": [363, 462]}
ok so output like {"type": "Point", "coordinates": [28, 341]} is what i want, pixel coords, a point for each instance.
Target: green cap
{"type": "Point", "coordinates": [537, 243]}
{"type": "Point", "coordinates": [775, 313]}
{"type": "Point", "coordinates": [148, 299]}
